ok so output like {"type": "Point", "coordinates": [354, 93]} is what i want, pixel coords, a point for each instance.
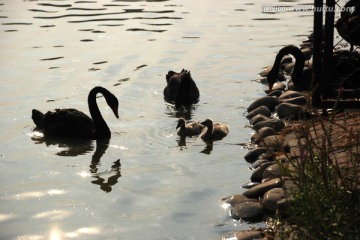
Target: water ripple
{"type": "Point", "coordinates": [100, 20]}
{"type": "Point", "coordinates": [44, 11]}
{"type": "Point", "coordinates": [46, 26]}
{"type": "Point", "coordinates": [265, 19]}
{"type": "Point", "coordinates": [19, 23]}
{"type": "Point", "coordinates": [50, 59]}
{"type": "Point", "coordinates": [85, 2]}
{"type": "Point", "coordinates": [145, 30]}
{"type": "Point", "coordinates": [55, 5]}
{"type": "Point", "coordinates": [80, 15]}
{"type": "Point", "coordinates": [87, 9]}
{"type": "Point", "coordinates": [106, 14]}
{"type": "Point", "coordinates": [98, 63]}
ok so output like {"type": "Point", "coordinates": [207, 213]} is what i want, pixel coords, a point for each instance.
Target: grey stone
{"type": "Point", "coordinates": [258, 118]}
{"type": "Point", "coordinates": [262, 133]}
{"type": "Point", "coordinates": [259, 190]}
{"type": "Point", "coordinates": [279, 86]}
{"type": "Point", "coordinates": [250, 185]}
{"type": "Point", "coordinates": [258, 163]}
{"type": "Point", "coordinates": [273, 142]}
{"type": "Point", "coordinates": [237, 199]}
{"type": "Point", "coordinates": [295, 100]}
{"type": "Point", "coordinates": [270, 199]}
{"type": "Point", "coordinates": [260, 110]}
{"type": "Point", "coordinates": [252, 155]}
{"type": "Point", "coordinates": [289, 67]}
{"type": "Point", "coordinates": [249, 235]}
{"type": "Point", "coordinates": [267, 101]}
{"type": "Point", "coordinates": [257, 175]}
{"type": "Point", "coordinates": [276, 124]}
{"type": "Point", "coordinates": [290, 94]}
{"type": "Point", "coordinates": [247, 211]}
{"type": "Point", "coordinates": [288, 110]}
{"type": "Point", "coordinates": [272, 171]}
{"type": "Point", "coordinates": [275, 93]}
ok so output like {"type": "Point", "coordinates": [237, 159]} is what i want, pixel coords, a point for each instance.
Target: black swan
{"type": "Point", "coordinates": [70, 122]}
{"type": "Point", "coordinates": [181, 88]}
{"type": "Point", "coordinates": [346, 69]}
{"type": "Point", "coordinates": [190, 129]}
{"type": "Point", "coordinates": [348, 25]}
{"type": "Point", "coordinates": [300, 78]}
{"type": "Point", "coordinates": [213, 131]}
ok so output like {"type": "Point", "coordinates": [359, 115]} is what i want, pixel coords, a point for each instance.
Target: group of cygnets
{"type": "Point", "coordinates": [180, 90]}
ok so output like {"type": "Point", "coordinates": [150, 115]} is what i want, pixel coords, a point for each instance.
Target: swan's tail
{"type": "Point", "coordinates": [38, 118]}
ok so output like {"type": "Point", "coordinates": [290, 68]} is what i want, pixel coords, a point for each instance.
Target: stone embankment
{"type": "Point", "coordinates": [276, 119]}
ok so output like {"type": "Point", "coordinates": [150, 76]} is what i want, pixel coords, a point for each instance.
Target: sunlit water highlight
{"type": "Point", "coordinates": [146, 182]}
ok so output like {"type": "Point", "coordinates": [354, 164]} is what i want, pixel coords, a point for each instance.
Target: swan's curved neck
{"type": "Point", "coordinates": [297, 74]}
{"type": "Point", "coordinates": [101, 128]}
{"type": "Point", "coordinates": [210, 128]}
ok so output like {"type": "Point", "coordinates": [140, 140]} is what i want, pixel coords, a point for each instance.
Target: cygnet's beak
{"type": "Point", "coordinates": [178, 125]}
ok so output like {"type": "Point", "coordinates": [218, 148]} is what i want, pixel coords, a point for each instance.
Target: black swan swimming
{"type": "Point", "coordinates": [181, 88]}
{"type": "Point", "coordinates": [348, 25]}
{"type": "Point", "coordinates": [346, 69]}
{"type": "Point", "coordinates": [70, 122]}
{"type": "Point", "coordinates": [213, 131]}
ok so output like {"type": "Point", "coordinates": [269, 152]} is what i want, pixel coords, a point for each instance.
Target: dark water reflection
{"type": "Point", "coordinates": [72, 147]}
{"type": "Point", "coordinates": [112, 176]}
{"type": "Point", "coordinates": [185, 112]}
{"type": "Point", "coordinates": [76, 147]}
{"type": "Point", "coordinates": [208, 147]}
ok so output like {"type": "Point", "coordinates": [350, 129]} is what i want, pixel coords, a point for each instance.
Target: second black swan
{"type": "Point", "coordinates": [181, 89]}
{"type": "Point", "coordinates": [69, 122]}
{"type": "Point", "coordinates": [345, 69]}
{"type": "Point", "coordinates": [348, 25]}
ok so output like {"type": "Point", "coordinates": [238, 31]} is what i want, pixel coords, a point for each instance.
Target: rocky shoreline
{"type": "Point", "coordinates": [276, 119]}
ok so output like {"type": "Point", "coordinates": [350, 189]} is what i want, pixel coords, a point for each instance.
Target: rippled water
{"type": "Point", "coordinates": [149, 183]}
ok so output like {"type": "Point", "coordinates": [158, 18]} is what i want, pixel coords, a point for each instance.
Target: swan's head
{"type": "Point", "coordinates": [185, 76]}
{"type": "Point", "coordinates": [272, 77]}
{"type": "Point", "coordinates": [208, 123]}
{"type": "Point", "coordinates": [113, 103]}
{"type": "Point", "coordinates": [170, 74]}
{"type": "Point", "coordinates": [181, 123]}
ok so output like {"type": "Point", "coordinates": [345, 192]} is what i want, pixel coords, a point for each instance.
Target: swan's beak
{"type": "Point", "coordinates": [270, 86]}
{"type": "Point", "coordinates": [115, 110]}
{"type": "Point", "coordinates": [178, 126]}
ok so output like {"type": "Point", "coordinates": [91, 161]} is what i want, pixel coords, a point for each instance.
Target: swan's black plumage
{"type": "Point", "coordinates": [181, 88]}
{"type": "Point", "coordinates": [70, 122]}
{"type": "Point", "coordinates": [348, 25]}
{"type": "Point", "coordinates": [297, 76]}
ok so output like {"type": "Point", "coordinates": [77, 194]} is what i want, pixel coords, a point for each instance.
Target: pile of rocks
{"type": "Point", "coordinates": [269, 117]}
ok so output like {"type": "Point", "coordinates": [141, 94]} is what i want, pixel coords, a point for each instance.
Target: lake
{"type": "Point", "coordinates": [146, 182]}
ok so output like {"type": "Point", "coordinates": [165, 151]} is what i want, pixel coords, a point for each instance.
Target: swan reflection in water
{"type": "Point", "coordinates": [75, 147]}
{"type": "Point", "coordinates": [115, 172]}
{"type": "Point", "coordinates": [208, 148]}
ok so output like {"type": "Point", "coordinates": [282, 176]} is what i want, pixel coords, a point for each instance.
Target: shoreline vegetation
{"type": "Point", "coordinates": [306, 168]}
{"type": "Point", "coordinates": [321, 177]}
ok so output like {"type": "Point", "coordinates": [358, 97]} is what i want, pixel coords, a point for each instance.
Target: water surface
{"type": "Point", "coordinates": [145, 182]}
